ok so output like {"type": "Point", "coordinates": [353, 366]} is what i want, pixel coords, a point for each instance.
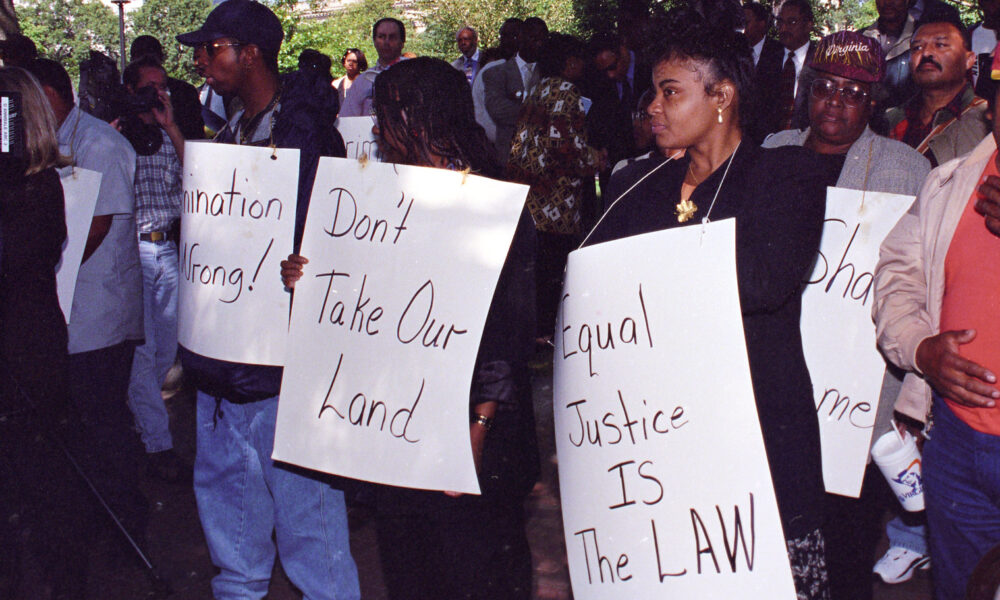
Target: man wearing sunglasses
{"type": "Point", "coordinates": [243, 496]}
{"type": "Point", "coordinates": [846, 66]}
{"type": "Point", "coordinates": [946, 119]}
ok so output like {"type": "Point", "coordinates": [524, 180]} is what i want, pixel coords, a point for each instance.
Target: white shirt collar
{"type": "Point", "coordinates": [757, 49]}
{"type": "Point", "coordinates": [798, 57]}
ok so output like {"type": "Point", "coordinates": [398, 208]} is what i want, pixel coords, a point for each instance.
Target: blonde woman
{"type": "Point", "coordinates": [33, 360]}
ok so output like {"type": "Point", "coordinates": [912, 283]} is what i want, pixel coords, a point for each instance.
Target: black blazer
{"type": "Point", "coordinates": [771, 56]}
{"type": "Point", "coordinates": [765, 113]}
{"type": "Point", "coordinates": [778, 202]}
{"type": "Point", "coordinates": [609, 122]}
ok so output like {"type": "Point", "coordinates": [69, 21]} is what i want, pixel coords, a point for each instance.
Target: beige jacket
{"type": "Point", "coordinates": [909, 278]}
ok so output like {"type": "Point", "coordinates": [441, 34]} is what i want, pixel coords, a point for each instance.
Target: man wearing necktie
{"type": "Point", "coordinates": [507, 86]}
{"type": "Point", "coordinates": [795, 22]}
{"type": "Point", "coordinates": [616, 95]}
{"type": "Point", "coordinates": [468, 44]}
{"type": "Point", "coordinates": [781, 81]}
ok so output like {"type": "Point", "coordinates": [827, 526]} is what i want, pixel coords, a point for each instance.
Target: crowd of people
{"type": "Point", "coordinates": [693, 114]}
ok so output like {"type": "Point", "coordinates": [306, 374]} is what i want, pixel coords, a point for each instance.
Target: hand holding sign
{"type": "Point", "coordinates": [291, 269]}
{"type": "Point", "coordinates": [386, 323]}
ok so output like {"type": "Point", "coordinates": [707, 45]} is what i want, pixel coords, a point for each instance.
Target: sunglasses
{"type": "Point", "coordinates": [851, 94]}
{"type": "Point", "coordinates": [213, 48]}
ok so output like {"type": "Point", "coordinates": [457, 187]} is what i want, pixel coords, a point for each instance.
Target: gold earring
{"type": "Point", "coordinates": [720, 115]}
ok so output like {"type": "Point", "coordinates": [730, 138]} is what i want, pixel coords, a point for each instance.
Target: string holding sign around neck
{"type": "Point", "coordinates": [706, 220]}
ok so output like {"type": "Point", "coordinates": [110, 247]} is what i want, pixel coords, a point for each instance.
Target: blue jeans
{"type": "Point", "coordinates": [243, 496]}
{"type": "Point", "coordinates": [911, 537]}
{"type": "Point", "coordinates": [154, 358]}
{"type": "Point", "coordinates": [962, 492]}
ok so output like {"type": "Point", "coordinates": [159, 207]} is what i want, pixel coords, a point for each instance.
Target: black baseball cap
{"type": "Point", "coordinates": [248, 21]}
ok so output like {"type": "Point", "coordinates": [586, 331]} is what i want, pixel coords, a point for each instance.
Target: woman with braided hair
{"type": "Point", "coordinates": [436, 545]}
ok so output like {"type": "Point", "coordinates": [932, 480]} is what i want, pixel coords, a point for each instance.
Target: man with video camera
{"type": "Point", "coordinates": [148, 123]}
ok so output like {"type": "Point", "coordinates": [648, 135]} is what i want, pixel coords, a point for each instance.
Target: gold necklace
{"type": "Point", "coordinates": [685, 209]}
{"type": "Point", "coordinates": [690, 172]}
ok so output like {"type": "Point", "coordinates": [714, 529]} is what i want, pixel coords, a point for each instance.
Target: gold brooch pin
{"type": "Point", "coordinates": [684, 210]}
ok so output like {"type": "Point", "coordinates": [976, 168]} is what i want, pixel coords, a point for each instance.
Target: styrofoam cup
{"type": "Point", "coordinates": [899, 459]}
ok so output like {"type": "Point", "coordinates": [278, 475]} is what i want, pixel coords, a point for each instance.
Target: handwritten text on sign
{"type": "Point", "coordinates": [358, 138]}
{"type": "Point", "coordinates": [665, 487]}
{"type": "Point", "coordinates": [237, 223]}
{"type": "Point", "coordinates": [387, 319]}
{"type": "Point", "coordinates": [80, 188]}
{"type": "Point", "coordinates": [838, 335]}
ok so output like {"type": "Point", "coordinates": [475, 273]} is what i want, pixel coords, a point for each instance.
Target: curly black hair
{"type": "Point", "coordinates": [426, 105]}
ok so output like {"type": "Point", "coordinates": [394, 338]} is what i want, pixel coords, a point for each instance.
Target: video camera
{"type": "Point", "coordinates": [103, 95]}
{"type": "Point", "coordinates": [144, 137]}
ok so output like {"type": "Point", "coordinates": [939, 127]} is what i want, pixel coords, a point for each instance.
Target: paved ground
{"type": "Point", "coordinates": [176, 546]}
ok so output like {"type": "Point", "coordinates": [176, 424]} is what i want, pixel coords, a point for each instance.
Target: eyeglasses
{"type": "Point", "coordinates": [851, 94]}
{"type": "Point", "coordinates": [792, 22]}
{"type": "Point", "coordinates": [214, 47]}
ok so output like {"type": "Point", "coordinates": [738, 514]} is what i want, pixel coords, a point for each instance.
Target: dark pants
{"type": "Point", "coordinates": [107, 445]}
{"type": "Point", "coordinates": [550, 263]}
{"type": "Point", "coordinates": [474, 549]}
{"type": "Point", "coordinates": [852, 529]}
{"type": "Point", "coordinates": [44, 512]}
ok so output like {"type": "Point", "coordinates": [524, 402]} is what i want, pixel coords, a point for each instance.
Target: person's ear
{"type": "Point", "coordinates": [249, 55]}
{"type": "Point", "coordinates": [724, 94]}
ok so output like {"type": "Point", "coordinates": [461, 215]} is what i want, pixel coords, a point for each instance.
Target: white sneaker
{"type": "Point", "coordinates": [899, 564]}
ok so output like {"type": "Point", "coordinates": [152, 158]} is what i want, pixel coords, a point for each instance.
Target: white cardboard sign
{"type": "Point", "coordinates": [838, 335]}
{"type": "Point", "coordinates": [665, 486]}
{"type": "Point", "coordinates": [358, 137]}
{"type": "Point", "coordinates": [237, 224]}
{"type": "Point", "coordinates": [80, 189]}
{"type": "Point", "coordinates": [387, 319]}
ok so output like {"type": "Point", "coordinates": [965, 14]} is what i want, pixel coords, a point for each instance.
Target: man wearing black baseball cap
{"type": "Point", "coordinates": [242, 494]}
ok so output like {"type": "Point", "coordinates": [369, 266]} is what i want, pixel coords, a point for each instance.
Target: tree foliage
{"type": "Point", "coordinates": [66, 30]}
{"type": "Point", "coordinates": [437, 21]}
{"type": "Point", "coordinates": [444, 19]}
{"type": "Point", "coordinates": [331, 34]}
{"type": "Point", "coordinates": [165, 19]}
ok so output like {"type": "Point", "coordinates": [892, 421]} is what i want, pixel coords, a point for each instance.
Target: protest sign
{"type": "Point", "coordinates": [838, 335]}
{"type": "Point", "coordinates": [387, 319]}
{"type": "Point", "coordinates": [358, 137]}
{"type": "Point", "coordinates": [80, 188]}
{"type": "Point", "coordinates": [237, 223]}
{"type": "Point", "coordinates": [665, 486]}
